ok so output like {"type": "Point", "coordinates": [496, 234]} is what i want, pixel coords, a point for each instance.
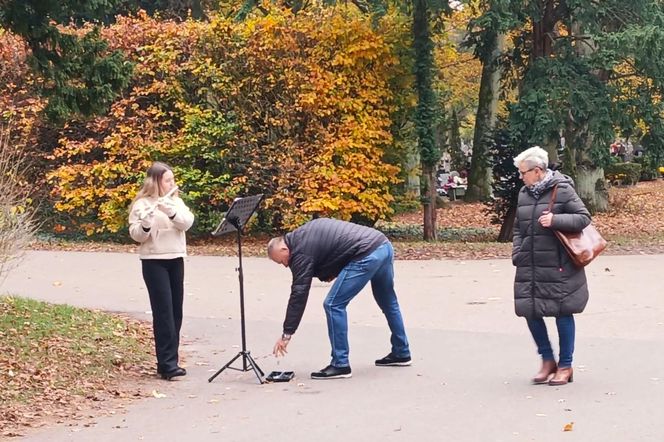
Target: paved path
{"type": "Point", "coordinates": [472, 357]}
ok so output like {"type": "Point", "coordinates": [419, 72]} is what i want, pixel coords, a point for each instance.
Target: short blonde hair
{"type": "Point", "coordinates": [533, 157]}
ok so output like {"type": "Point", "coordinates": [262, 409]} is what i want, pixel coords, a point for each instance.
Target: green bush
{"type": "Point", "coordinates": [649, 167]}
{"type": "Point", "coordinates": [406, 204]}
{"type": "Point", "coordinates": [410, 232]}
{"type": "Point", "coordinates": [625, 173]}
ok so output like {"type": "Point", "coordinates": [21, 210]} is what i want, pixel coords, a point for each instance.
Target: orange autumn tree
{"type": "Point", "coordinates": [100, 161]}
{"type": "Point", "coordinates": [20, 116]}
{"type": "Point", "coordinates": [351, 84]}
{"type": "Point", "coordinates": [20, 104]}
{"type": "Point", "coordinates": [297, 107]}
{"type": "Point", "coordinates": [311, 100]}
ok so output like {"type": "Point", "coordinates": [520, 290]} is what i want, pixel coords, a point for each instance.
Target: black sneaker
{"type": "Point", "coordinates": [392, 361]}
{"type": "Point", "coordinates": [332, 372]}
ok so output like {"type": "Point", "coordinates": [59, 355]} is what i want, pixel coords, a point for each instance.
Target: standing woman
{"type": "Point", "coordinates": [547, 283]}
{"type": "Point", "coordinates": [158, 220]}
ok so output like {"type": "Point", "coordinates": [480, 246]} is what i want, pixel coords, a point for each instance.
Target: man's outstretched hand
{"type": "Point", "coordinates": [280, 347]}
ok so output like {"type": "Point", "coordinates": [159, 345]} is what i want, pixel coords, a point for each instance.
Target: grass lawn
{"type": "Point", "coordinates": [53, 358]}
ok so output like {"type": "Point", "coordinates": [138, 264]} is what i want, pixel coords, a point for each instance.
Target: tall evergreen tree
{"type": "Point", "coordinates": [81, 76]}
{"type": "Point", "coordinates": [584, 70]}
{"type": "Point", "coordinates": [425, 113]}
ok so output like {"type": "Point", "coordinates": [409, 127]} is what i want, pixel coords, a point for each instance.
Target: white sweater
{"type": "Point", "coordinates": [166, 238]}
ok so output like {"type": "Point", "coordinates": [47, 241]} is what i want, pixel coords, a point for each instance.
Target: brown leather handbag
{"type": "Point", "coordinates": [582, 247]}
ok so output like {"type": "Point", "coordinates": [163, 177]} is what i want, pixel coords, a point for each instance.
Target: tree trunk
{"type": "Point", "coordinates": [507, 228]}
{"type": "Point", "coordinates": [543, 34]}
{"type": "Point", "coordinates": [544, 31]}
{"type": "Point", "coordinates": [479, 178]}
{"type": "Point", "coordinates": [413, 173]}
{"type": "Point", "coordinates": [591, 187]}
{"type": "Point", "coordinates": [197, 12]}
{"type": "Point", "coordinates": [589, 179]}
{"type": "Point", "coordinates": [429, 177]}
{"type": "Point", "coordinates": [457, 157]}
{"type": "Point", "coordinates": [424, 114]}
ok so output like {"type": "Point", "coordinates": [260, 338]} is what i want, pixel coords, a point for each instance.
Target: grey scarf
{"type": "Point", "coordinates": [537, 189]}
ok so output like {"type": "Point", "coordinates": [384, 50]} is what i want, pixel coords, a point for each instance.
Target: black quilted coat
{"type": "Point", "coordinates": [547, 283]}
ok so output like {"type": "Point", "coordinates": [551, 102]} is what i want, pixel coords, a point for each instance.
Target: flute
{"type": "Point", "coordinates": [151, 209]}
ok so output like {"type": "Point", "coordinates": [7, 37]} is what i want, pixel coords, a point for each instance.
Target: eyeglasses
{"type": "Point", "coordinates": [521, 174]}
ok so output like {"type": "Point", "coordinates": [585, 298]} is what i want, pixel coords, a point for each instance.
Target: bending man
{"type": "Point", "coordinates": [354, 255]}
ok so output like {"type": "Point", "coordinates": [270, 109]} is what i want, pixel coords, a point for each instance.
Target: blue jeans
{"type": "Point", "coordinates": [566, 331]}
{"type": "Point", "coordinates": [377, 268]}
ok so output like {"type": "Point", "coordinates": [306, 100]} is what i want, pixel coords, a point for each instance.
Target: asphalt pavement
{"type": "Point", "coordinates": [472, 357]}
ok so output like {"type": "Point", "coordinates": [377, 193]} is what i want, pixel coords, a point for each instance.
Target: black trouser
{"type": "Point", "coordinates": [164, 279]}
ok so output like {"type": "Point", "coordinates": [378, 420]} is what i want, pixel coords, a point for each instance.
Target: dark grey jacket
{"type": "Point", "coordinates": [547, 283]}
{"type": "Point", "coordinates": [322, 248]}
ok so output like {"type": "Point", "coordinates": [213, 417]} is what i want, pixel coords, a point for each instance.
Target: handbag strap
{"type": "Point", "coordinates": [553, 198]}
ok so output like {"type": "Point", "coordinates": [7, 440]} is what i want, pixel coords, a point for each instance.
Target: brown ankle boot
{"type": "Point", "coordinates": [548, 368]}
{"type": "Point", "coordinates": [562, 376]}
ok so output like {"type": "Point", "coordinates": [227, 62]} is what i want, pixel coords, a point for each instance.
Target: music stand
{"type": "Point", "coordinates": [235, 220]}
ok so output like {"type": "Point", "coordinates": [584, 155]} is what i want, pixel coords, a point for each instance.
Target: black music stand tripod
{"type": "Point", "coordinates": [236, 218]}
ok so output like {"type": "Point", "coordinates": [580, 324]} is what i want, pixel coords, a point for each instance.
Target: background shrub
{"type": "Point", "coordinates": [625, 173]}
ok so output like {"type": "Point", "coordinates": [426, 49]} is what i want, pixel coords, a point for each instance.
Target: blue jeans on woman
{"type": "Point", "coordinates": [566, 331]}
{"type": "Point", "coordinates": [377, 268]}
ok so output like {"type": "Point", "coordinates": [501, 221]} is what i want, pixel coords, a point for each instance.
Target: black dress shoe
{"type": "Point", "coordinates": [179, 371]}
{"type": "Point", "coordinates": [332, 372]}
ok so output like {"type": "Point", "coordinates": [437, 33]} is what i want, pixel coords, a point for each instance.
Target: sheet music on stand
{"type": "Point", "coordinates": [235, 221]}
{"type": "Point", "coordinates": [238, 214]}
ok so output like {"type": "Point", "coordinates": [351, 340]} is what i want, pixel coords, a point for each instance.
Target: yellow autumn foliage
{"type": "Point", "coordinates": [294, 106]}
